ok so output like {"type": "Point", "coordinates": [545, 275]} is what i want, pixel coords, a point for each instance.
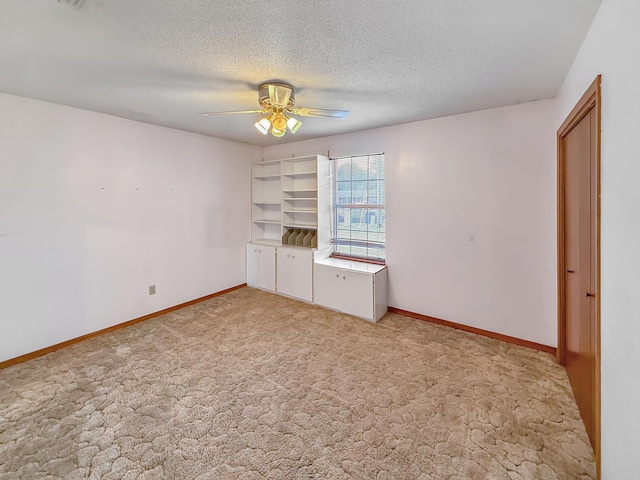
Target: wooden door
{"type": "Point", "coordinates": [579, 311]}
{"type": "Point", "coordinates": [578, 254]}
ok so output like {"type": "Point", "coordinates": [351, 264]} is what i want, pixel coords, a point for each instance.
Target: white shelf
{"type": "Point", "coordinates": [308, 226]}
{"type": "Point", "coordinates": [269, 162]}
{"type": "Point", "coordinates": [298, 174]}
{"type": "Point", "coordinates": [265, 221]}
{"type": "Point", "coordinates": [305, 158]}
{"type": "Point", "coordinates": [290, 193]}
{"type": "Point", "coordinates": [266, 177]}
{"type": "Point", "coordinates": [267, 241]}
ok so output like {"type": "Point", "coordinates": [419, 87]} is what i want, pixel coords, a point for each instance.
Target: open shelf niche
{"type": "Point", "coordinates": [288, 194]}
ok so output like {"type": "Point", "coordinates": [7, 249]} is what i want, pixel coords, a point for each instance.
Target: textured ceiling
{"type": "Point", "coordinates": [164, 61]}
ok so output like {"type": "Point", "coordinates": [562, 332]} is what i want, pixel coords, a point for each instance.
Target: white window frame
{"type": "Point", "coordinates": [372, 247]}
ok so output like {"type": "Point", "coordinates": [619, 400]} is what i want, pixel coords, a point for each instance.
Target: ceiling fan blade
{"type": "Point", "coordinates": [319, 112]}
{"type": "Point", "coordinates": [235, 112]}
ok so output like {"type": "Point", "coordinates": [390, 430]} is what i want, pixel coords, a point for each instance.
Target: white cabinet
{"type": "Point", "coordinates": [355, 288]}
{"type": "Point", "coordinates": [295, 272]}
{"type": "Point", "coordinates": [261, 266]}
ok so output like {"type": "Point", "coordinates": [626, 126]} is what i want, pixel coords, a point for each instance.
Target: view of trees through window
{"type": "Point", "coordinates": [358, 206]}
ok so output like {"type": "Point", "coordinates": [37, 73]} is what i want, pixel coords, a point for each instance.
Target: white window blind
{"type": "Point", "coordinates": [358, 215]}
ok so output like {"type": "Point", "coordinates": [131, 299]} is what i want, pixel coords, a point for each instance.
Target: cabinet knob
{"type": "Point", "coordinates": [288, 255]}
{"type": "Point", "coordinates": [337, 275]}
{"type": "Point", "coordinates": [255, 249]}
{"type": "Point", "coordinates": [589, 294]}
{"type": "Point", "coordinates": [293, 256]}
{"type": "Point", "coordinates": [344, 278]}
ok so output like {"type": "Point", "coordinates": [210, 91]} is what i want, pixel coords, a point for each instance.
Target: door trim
{"type": "Point", "coordinates": [589, 101]}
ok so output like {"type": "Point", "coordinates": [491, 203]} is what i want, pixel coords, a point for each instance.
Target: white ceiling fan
{"type": "Point", "coordinates": [278, 102]}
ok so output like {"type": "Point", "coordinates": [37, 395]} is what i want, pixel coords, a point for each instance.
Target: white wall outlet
{"type": "Point", "coordinates": [152, 289]}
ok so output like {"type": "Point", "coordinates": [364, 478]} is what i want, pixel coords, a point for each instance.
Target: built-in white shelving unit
{"type": "Point", "coordinates": [289, 198]}
{"type": "Point", "coordinates": [292, 193]}
{"type": "Point", "coordinates": [266, 198]}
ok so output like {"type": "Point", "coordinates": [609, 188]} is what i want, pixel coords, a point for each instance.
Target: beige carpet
{"type": "Point", "coordinates": [252, 385]}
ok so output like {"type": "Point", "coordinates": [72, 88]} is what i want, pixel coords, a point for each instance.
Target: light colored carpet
{"type": "Point", "coordinates": [252, 385]}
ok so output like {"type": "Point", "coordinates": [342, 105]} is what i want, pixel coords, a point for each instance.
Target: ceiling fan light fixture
{"type": "Point", "coordinates": [277, 133]}
{"type": "Point", "coordinates": [294, 124]}
{"type": "Point", "coordinates": [263, 125]}
{"type": "Point", "coordinates": [280, 122]}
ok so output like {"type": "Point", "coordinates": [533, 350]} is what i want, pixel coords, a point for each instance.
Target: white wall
{"type": "Point", "coordinates": [471, 215]}
{"type": "Point", "coordinates": [612, 48]}
{"type": "Point", "coordinates": [95, 208]}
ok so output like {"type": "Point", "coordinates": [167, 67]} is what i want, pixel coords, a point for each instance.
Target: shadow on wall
{"type": "Point", "coordinates": [74, 3]}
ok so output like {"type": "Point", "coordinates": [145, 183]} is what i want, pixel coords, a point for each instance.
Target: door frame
{"type": "Point", "coordinates": [590, 100]}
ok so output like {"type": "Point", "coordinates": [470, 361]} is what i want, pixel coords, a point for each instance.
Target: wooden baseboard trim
{"type": "Point", "coordinates": [58, 346]}
{"type": "Point", "coordinates": [477, 331]}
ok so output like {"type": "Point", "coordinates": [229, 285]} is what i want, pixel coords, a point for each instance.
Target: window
{"type": "Point", "coordinates": [357, 194]}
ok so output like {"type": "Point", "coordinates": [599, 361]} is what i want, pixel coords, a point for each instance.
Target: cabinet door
{"type": "Point", "coordinates": [302, 274]}
{"type": "Point", "coordinates": [284, 270]}
{"type": "Point", "coordinates": [253, 265]}
{"type": "Point", "coordinates": [267, 268]}
{"type": "Point", "coordinates": [326, 291]}
{"type": "Point", "coordinates": [358, 293]}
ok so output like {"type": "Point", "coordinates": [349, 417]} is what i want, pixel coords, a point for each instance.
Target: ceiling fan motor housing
{"type": "Point", "coordinates": [276, 95]}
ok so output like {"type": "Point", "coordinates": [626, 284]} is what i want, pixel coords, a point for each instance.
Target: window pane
{"type": "Point", "coordinates": [376, 167]}
{"type": "Point", "coordinates": [360, 168]}
{"type": "Point", "coordinates": [358, 191]}
{"type": "Point", "coordinates": [375, 192]}
{"type": "Point", "coordinates": [358, 230]}
{"type": "Point", "coordinates": [359, 251]}
{"type": "Point", "coordinates": [375, 252]}
{"type": "Point", "coordinates": [343, 234]}
{"type": "Point", "coordinates": [343, 192]}
{"type": "Point", "coordinates": [343, 169]}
